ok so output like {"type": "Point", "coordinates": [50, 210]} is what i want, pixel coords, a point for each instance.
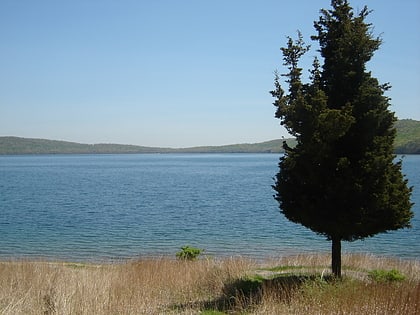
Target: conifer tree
{"type": "Point", "coordinates": [341, 180]}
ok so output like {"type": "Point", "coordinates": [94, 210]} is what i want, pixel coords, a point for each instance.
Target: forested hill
{"type": "Point", "coordinates": [407, 142]}
{"type": "Point", "coordinates": [408, 136]}
{"type": "Point", "coordinates": [16, 145]}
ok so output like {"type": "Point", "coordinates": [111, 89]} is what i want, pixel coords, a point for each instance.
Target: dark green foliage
{"type": "Point", "coordinates": [340, 180]}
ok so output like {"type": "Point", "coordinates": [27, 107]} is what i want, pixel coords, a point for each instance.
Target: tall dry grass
{"type": "Point", "coordinates": [167, 286]}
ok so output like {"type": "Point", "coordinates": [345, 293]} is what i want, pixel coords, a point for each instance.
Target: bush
{"type": "Point", "coordinates": [380, 275]}
{"type": "Point", "coordinates": [188, 253]}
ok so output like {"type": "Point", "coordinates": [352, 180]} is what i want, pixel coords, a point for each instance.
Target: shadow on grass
{"type": "Point", "coordinates": [241, 294]}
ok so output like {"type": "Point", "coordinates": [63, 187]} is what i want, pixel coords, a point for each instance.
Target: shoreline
{"type": "Point", "coordinates": [203, 257]}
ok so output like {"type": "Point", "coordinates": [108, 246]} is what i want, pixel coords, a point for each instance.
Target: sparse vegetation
{"type": "Point", "coordinates": [290, 285]}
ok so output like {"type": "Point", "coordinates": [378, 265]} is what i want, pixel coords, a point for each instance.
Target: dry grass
{"type": "Point", "coordinates": [167, 286]}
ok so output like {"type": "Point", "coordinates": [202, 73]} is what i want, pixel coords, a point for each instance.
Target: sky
{"type": "Point", "coordinates": [173, 73]}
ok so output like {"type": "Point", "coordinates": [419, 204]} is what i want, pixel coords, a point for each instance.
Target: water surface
{"type": "Point", "coordinates": [96, 207]}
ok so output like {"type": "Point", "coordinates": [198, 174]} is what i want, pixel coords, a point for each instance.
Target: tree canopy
{"type": "Point", "coordinates": [341, 180]}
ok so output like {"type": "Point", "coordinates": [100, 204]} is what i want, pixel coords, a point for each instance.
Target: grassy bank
{"type": "Point", "coordinates": [291, 285]}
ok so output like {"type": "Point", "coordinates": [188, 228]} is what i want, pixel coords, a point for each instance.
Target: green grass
{"type": "Point", "coordinates": [380, 275]}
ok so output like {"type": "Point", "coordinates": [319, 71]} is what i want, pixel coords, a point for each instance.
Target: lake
{"type": "Point", "coordinates": [112, 207]}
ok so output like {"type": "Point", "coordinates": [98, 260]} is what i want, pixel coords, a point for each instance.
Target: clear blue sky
{"type": "Point", "coordinates": [172, 73]}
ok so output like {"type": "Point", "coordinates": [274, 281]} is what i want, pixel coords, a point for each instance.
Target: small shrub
{"type": "Point", "coordinates": [188, 253]}
{"type": "Point", "coordinates": [380, 275]}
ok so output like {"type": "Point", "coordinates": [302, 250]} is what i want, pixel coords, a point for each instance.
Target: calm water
{"type": "Point", "coordinates": [100, 207]}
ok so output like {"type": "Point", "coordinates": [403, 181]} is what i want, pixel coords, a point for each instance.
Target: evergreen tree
{"type": "Point", "coordinates": [341, 180]}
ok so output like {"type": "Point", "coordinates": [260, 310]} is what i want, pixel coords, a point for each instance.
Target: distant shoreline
{"type": "Point", "coordinates": [407, 141]}
{"type": "Point", "coordinates": [32, 146]}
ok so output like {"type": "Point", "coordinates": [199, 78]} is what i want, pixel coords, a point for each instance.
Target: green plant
{"type": "Point", "coordinates": [188, 253]}
{"type": "Point", "coordinates": [380, 275]}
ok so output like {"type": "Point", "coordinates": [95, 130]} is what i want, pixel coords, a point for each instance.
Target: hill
{"type": "Point", "coordinates": [406, 142]}
{"type": "Point", "coordinates": [408, 136]}
{"type": "Point", "coordinates": [273, 146]}
{"type": "Point", "coordinates": [16, 145]}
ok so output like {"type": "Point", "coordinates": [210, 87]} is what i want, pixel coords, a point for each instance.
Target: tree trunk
{"type": "Point", "coordinates": [336, 256]}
